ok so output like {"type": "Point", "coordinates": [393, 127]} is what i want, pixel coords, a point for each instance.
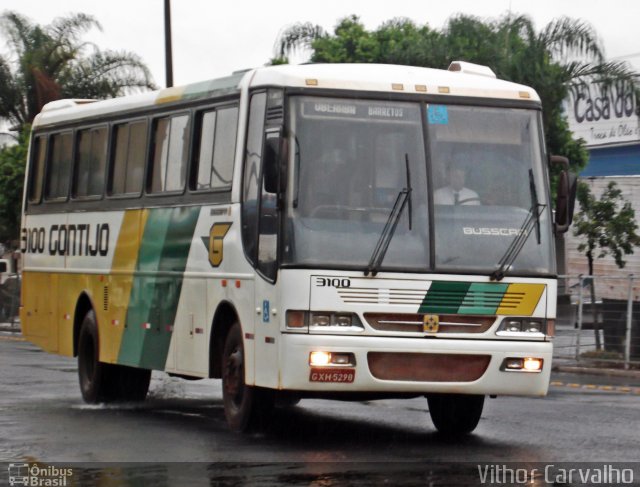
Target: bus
{"type": "Point", "coordinates": [288, 230]}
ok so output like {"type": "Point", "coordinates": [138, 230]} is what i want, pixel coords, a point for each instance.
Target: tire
{"type": "Point", "coordinates": [102, 382]}
{"type": "Point", "coordinates": [455, 414]}
{"type": "Point", "coordinates": [245, 407]}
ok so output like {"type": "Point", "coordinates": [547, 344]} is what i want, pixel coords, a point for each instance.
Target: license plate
{"type": "Point", "coordinates": [332, 375]}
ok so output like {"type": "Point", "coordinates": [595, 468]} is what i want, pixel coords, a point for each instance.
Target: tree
{"type": "Point", "coordinates": [52, 62]}
{"type": "Point", "coordinates": [565, 51]}
{"type": "Point", "coordinates": [607, 226]}
{"type": "Point", "coordinates": [48, 63]}
{"type": "Point", "coordinates": [12, 165]}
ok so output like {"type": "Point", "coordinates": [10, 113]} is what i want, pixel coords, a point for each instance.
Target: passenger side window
{"type": "Point", "coordinates": [217, 143]}
{"type": "Point", "coordinates": [91, 162]}
{"type": "Point", "coordinates": [59, 168]}
{"type": "Point", "coordinates": [170, 150]}
{"type": "Point", "coordinates": [129, 157]}
{"type": "Point", "coordinates": [37, 169]}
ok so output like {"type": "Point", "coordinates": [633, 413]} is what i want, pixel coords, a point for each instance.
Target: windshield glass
{"type": "Point", "coordinates": [481, 158]}
{"type": "Point", "coordinates": [347, 167]}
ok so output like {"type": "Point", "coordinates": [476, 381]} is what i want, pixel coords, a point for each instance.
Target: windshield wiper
{"type": "Point", "coordinates": [532, 219]}
{"type": "Point", "coordinates": [296, 158]}
{"type": "Point", "coordinates": [403, 199]}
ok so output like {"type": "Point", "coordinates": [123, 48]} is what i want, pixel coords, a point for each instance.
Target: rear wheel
{"type": "Point", "coordinates": [455, 414]}
{"type": "Point", "coordinates": [101, 382]}
{"type": "Point", "coordinates": [245, 407]}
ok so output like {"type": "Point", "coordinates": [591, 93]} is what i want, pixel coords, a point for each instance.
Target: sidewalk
{"type": "Point", "coordinates": [564, 353]}
{"type": "Point", "coordinates": [588, 367]}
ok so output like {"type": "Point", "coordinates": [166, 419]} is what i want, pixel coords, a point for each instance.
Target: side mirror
{"type": "Point", "coordinates": [565, 201]}
{"type": "Point", "coordinates": [274, 168]}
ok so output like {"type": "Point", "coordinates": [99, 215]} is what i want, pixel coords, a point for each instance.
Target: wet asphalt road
{"type": "Point", "coordinates": [43, 419]}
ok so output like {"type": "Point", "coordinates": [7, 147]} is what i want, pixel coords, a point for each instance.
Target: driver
{"type": "Point", "coordinates": [455, 193]}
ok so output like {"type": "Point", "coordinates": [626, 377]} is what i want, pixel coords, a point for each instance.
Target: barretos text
{"type": "Point", "coordinates": [76, 239]}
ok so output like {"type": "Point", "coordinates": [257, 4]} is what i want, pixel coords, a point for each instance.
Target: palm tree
{"type": "Point", "coordinates": [52, 62]}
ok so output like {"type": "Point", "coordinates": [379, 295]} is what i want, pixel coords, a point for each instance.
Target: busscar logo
{"type": "Point", "coordinates": [492, 232]}
{"type": "Point", "coordinates": [35, 475]}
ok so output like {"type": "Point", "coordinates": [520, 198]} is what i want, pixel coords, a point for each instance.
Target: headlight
{"type": "Point", "coordinates": [318, 319]}
{"type": "Point", "coordinates": [323, 322]}
{"type": "Point", "coordinates": [522, 327]}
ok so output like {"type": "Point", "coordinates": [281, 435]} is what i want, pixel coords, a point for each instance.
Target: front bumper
{"type": "Point", "coordinates": [295, 370]}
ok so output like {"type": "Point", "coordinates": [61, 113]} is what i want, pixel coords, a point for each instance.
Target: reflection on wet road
{"type": "Point", "coordinates": [320, 443]}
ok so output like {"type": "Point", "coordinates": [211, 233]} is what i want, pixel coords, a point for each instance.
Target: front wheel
{"type": "Point", "coordinates": [455, 414]}
{"type": "Point", "coordinates": [245, 407]}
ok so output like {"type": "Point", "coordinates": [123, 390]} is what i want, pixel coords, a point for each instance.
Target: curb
{"type": "Point", "coordinates": [634, 374]}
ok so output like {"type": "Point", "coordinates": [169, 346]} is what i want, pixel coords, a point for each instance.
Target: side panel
{"type": "Point", "coordinates": [216, 272]}
{"type": "Point", "coordinates": [157, 285]}
{"type": "Point", "coordinates": [120, 283]}
{"type": "Point", "coordinates": [64, 256]}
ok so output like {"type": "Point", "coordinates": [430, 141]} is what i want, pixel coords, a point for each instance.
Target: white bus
{"type": "Point", "coordinates": [335, 231]}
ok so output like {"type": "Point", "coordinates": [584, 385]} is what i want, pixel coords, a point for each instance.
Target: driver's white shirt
{"type": "Point", "coordinates": [447, 196]}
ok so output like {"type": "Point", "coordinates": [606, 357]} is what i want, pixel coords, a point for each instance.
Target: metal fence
{"type": "Point", "coordinates": [598, 319]}
{"type": "Point", "coordinates": [10, 299]}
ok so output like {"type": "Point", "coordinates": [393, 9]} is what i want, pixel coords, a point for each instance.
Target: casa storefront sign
{"type": "Point", "coordinates": [604, 114]}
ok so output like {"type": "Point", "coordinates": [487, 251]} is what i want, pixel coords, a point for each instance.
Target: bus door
{"type": "Point", "coordinates": [260, 225]}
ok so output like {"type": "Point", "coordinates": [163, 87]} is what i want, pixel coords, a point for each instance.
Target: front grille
{"type": "Point", "coordinates": [413, 323]}
{"type": "Point", "coordinates": [427, 367]}
{"type": "Point", "coordinates": [361, 295]}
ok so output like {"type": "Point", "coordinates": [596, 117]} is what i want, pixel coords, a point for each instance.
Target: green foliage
{"type": "Point", "coordinates": [12, 166]}
{"type": "Point", "coordinates": [52, 62]}
{"type": "Point", "coordinates": [563, 52]}
{"type": "Point", "coordinates": [606, 225]}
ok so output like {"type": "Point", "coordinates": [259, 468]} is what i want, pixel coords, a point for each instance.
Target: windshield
{"type": "Point", "coordinates": [348, 165]}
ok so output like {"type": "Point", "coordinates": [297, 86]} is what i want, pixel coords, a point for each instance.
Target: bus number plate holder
{"type": "Point", "coordinates": [331, 374]}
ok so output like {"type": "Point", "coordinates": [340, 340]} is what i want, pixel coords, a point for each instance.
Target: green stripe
{"type": "Point", "coordinates": [154, 298]}
{"type": "Point", "coordinates": [444, 297]}
{"type": "Point", "coordinates": [467, 298]}
{"type": "Point", "coordinates": [482, 299]}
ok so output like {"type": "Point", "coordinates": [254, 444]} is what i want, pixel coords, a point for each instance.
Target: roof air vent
{"type": "Point", "coordinates": [470, 68]}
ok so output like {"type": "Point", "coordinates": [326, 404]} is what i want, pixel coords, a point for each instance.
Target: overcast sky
{"type": "Point", "coordinates": [213, 38]}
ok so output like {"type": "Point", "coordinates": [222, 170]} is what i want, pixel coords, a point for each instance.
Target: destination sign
{"type": "Point", "coordinates": [359, 110]}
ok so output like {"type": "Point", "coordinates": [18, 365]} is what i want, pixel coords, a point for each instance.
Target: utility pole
{"type": "Point", "coordinates": [168, 57]}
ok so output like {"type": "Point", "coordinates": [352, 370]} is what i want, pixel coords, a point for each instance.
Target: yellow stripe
{"type": "Point", "coordinates": [170, 94]}
{"type": "Point", "coordinates": [120, 282]}
{"type": "Point", "coordinates": [528, 297]}
{"type": "Point", "coordinates": [39, 310]}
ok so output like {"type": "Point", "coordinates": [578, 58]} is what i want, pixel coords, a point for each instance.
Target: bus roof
{"type": "Point", "coordinates": [462, 79]}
